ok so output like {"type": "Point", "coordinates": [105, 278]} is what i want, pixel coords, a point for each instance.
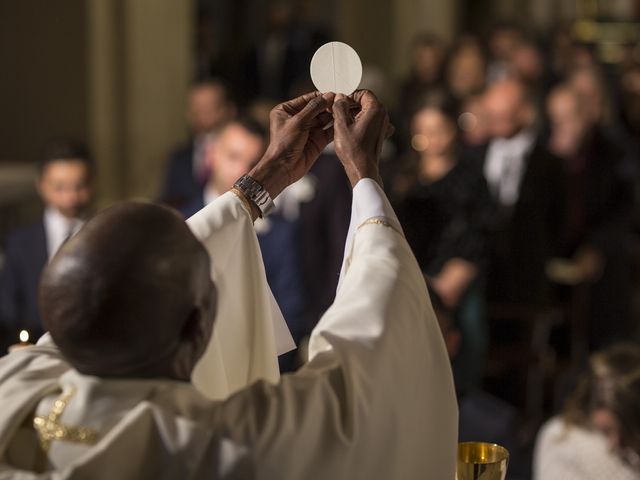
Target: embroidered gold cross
{"type": "Point", "coordinates": [50, 429]}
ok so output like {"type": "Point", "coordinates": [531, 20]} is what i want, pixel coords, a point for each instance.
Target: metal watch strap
{"type": "Point", "coordinates": [256, 193]}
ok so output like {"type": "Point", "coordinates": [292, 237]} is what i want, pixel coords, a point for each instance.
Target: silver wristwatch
{"type": "Point", "coordinates": [256, 193]}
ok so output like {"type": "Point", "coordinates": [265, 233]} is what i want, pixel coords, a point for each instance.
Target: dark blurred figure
{"type": "Point", "coordinates": [208, 58]}
{"type": "Point", "coordinates": [481, 415]}
{"type": "Point", "coordinates": [65, 172]}
{"type": "Point", "coordinates": [281, 54]}
{"type": "Point", "coordinates": [528, 64]}
{"type": "Point", "coordinates": [443, 204]}
{"type": "Point", "coordinates": [561, 51]}
{"type": "Point", "coordinates": [425, 71]}
{"type": "Point", "coordinates": [598, 216]}
{"type": "Point", "coordinates": [590, 84]}
{"type": "Point", "coordinates": [630, 89]}
{"type": "Point", "coordinates": [209, 108]}
{"type": "Point", "coordinates": [466, 71]}
{"type": "Point", "coordinates": [598, 98]}
{"type": "Point", "coordinates": [527, 185]}
{"type": "Point", "coordinates": [426, 75]}
{"type": "Point", "coordinates": [473, 124]}
{"type": "Point", "coordinates": [504, 38]}
{"type": "Point", "coordinates": [324, 214]}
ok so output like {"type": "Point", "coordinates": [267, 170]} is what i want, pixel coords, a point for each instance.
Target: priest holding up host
{"type": "Point", "coordinates": [161, 353]}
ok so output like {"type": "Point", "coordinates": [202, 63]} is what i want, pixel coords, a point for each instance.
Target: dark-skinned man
{"type": "Point", "coordinates": [130, 305]}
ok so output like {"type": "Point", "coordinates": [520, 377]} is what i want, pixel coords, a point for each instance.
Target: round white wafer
{"type": "Point", "coordinates": [336, 67]}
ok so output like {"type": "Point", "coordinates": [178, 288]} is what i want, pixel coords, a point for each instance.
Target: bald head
{"type": "Point", "coordinates": [508, 109]}
{"type": "Point", "coordinates": [130, 295]}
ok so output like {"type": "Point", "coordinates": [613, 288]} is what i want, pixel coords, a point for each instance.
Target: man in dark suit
{"type": "Point", "coordinates": [210, 107]}
{"type": "Point", "coordinates": [597, 222]}
{"type": "Point", "coordinates": [527, 184]}
{"type": "Point", "coordinates": [64, 184]}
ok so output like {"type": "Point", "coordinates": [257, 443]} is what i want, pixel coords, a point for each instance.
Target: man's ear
{"type": "Point", "coordinates": [198, 326]}
{"type": "Point", "coordinates": [191, 346]}
{"type": "Point", "coordinates": [192, 327]}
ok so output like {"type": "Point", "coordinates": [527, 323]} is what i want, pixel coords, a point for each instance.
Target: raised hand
{"type": "Point", "coordinates": [358, 139]}
{"type": "Point", "coordinates": [297, 139]}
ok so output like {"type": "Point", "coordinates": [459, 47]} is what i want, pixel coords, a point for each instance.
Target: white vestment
{"type": "Point", "coordinates": [375, 401]}
{"type": "Point", "coordinates": [249, 332]}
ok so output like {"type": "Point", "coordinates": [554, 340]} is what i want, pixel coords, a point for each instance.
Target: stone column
{"type": "Point", "coordinates": [140, 60]}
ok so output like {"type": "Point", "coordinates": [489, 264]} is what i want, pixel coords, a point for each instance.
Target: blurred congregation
{"type": "Point", "coordinates": [514, 170]}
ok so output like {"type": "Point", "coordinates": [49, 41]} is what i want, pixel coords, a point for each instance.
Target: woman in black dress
{"type": "Point", "coordinates": [444, 205]}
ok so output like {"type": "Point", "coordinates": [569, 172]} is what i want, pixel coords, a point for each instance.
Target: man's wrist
{"type": "Point", "coordinates": [255, 192]}
{"type": "Point", "coordinates": [356, 174]}
{"type": "Point", "coordinates": [268, 174]}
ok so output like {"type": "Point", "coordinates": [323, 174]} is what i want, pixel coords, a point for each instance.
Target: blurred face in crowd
{"type": "Point", "coordinates": [506, 110]}
{"type": "Point", "coordinates": [433, 132]}
{"type": "Point", "coordinates": [466, 72]}
{"type": "Point", "coordinates": [591, 91]}
{"type": "Point", "coordinates": [279, 16]}
{"type": "Point", "coordinates": [568, 120]}
{"type": "Point", "coordinates": [209, 108]}
{"type": "Point", "coordinates": [65, 185]}
{"type": "Point", "coordinates": [503, 42]}
{"type": "Point", "coordinates": [527, 62]}
{"type": "Point", "coordinates": [427, 62]}
{"type": "Point", "coordinates": [232, 155]}
{"type": "Point", "coordinates": [473, 123]}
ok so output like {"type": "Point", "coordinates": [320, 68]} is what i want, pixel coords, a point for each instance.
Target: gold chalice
{"type": "Point", "coordinates": [481, 461]}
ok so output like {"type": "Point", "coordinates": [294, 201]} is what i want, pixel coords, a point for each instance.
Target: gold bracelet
{"type": "Point", "coordinates": [380, 221]}
{"type": "Point", "coordinates": [245, 201]}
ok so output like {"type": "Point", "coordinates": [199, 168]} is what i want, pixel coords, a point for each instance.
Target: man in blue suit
{"type": "Point", "coordinates": [210, 107]}
{"type": "Point", "coordinates": [64, 184]}
{"type": "Point", "coordinates": [302, 241]}
{"type": "Point", "coordinates": [238, 147]}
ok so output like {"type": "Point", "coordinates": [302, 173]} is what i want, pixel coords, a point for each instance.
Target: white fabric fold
{"type": "Point", "coordinates": [250, 331]}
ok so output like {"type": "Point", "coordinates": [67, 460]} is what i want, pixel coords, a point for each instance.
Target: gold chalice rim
{"type": "Point", "coordinates": [482, 453]}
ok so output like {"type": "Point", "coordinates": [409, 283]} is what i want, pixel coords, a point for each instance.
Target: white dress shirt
{"type": "Point", "coordinates": [506, 164]}
{"type": "Point", "coordinates": [58, 229]}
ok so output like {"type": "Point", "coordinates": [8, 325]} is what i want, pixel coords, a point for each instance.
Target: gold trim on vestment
{"type": "Point", "coordinates": [379, 221]}
{"type": "Point", "coordinates": [49, 428]}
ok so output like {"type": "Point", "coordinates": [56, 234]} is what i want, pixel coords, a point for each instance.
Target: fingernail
{"type": "Point", "coordinates": [340, 96]}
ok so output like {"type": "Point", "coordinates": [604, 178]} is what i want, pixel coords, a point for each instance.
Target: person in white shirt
{"type": "Point", "coordinates": [64, 183]}
{"type": "Point", "coordinates": [130, 305]}
{"type": "Point", "coordinates": [597, 435]}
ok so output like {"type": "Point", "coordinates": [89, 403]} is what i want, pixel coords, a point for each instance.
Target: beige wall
{"type": "Point", "coordinates": [140, 72]}
{"type": "Point", "coordinates": [43, 86]}
{"type": "Point", "coordinates": [113, 73]}
{"type": "Point", "coordinates": [383, 29]}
